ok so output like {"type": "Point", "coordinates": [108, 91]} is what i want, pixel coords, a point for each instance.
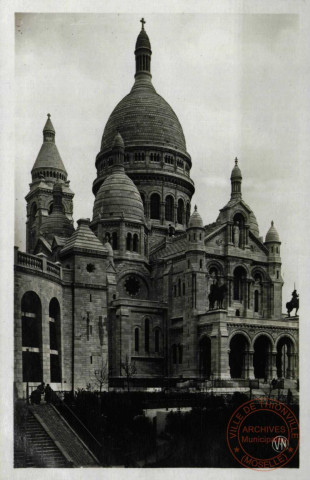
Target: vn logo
{"type": "Point", "coordinates": [279, 443]}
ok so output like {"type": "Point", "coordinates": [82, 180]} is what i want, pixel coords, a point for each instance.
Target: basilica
{"type": "Point", "coordinates": [143, 287]}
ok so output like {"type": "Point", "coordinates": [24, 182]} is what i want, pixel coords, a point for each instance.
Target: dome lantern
{"type": "Point", "coordinates": [236, 179]}
{"type": "Point", "coordinates": [143, 53]}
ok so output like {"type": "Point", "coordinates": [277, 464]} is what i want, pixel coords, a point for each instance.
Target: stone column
{"type": "Point", "coordinates": [162, 212]}
{"type": "Point", "coordinates": [290, 366]}
{"type": "Point", "coordinates": [251, 375]}
{"type": "Point", "coordinates": [141, 245]}
{"type": "Point", "coordinates": [147, 209]}
{"type": "Point", "coordinates": [272, 359]}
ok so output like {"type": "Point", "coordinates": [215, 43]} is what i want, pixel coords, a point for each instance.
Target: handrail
{"type": "Point", "coordinates": [54, 394]}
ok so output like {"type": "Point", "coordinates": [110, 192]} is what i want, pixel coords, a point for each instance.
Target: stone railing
{"type": "Point", "coordinates": [34, 262]}
{"type": "Point", "coordinates": [30, 261]}
{"type": "Point", "coordinates": [53, 269]}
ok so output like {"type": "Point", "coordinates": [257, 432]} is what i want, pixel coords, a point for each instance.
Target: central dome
{"type": "Point", "coordinates": [144, 118]}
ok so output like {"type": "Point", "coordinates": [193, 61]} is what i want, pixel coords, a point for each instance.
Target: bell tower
{"type": "Point", "coordinates": [47, 170]}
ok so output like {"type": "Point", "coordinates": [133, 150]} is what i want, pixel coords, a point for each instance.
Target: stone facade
{"type": "Point", "coordinates": [144, 287]}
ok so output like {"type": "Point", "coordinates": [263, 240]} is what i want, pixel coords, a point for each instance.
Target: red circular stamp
{"type": "Point", "coordinates": [263, 434]}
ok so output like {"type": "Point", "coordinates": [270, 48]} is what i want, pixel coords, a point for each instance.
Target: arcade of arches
{"type": "Point", "coordinates": [253, 358]}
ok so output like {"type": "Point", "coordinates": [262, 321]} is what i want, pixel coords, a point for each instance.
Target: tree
{"type": "Point", "coordinates": [102, 375]}
{"type": "Point", "coordinates": [129, 369]}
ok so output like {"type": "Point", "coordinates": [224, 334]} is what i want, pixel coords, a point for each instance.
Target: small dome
{"type": "Point", "coordinates": [143, 40]}
{"type": "Point", "coordinates": [272, 235]}
{"type": "Point", "coordinates": [119, 197]}
{"type": "Point", "coordinates": [195, 220]}
{"type": "Point", "coordinates": [236, 172]}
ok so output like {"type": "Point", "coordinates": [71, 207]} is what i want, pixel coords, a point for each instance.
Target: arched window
{"type": "Point", "coordinates": [147, 335]}
{"type": "Point", "coordinates": [169, 209]}
{"type": "Point", "coordinates": [157, 340]}
{"type": "Point", "coordinates": [129, 242]}
{"type": "Point", "coordinates": [135, 243]}
{"type": "Point", "coordinates": [114, 241]}
{"type": "Point", "coordinates": [55, 340]}
{"type": "Point", "coordinates": [180, 211]}
{"type": "Point", "coordinates": [239, 281]}
{"type": "Point", "coordinates": [136, 339]}
{"type": "Point", "coordinates": [33, 212]}
{"type": "Point", "coordinates": [188, 213]}
{"type": "Point", "coordinates": [155, 206]}
{"type": "Point", "coordinates": [256, 301]}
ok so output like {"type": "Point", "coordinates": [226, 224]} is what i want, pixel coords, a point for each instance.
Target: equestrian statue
{"type": "Point", "coordinates": [294, 303]}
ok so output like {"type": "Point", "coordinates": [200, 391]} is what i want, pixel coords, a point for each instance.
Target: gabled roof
{"type": "Point", "coordinates": [175, 246]}
{"type": "Point", "coordinates": [83, 239]}
{"type": "Point", "coordinates": [42, 242]}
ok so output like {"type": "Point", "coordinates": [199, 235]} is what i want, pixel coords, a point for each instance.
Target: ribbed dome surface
{"type": "Point", "coordinates": [253, 224]}
{"type": "Point", "coordinates": [272, 234]}
{"type": "Point", "coordinates": [144, 118]}
{"type": "Point", "coordinates": [195, 220]}
{"type": "Point", "coordinates": [57, 224]}
{"type": "Point", "coordinates": [119, 197]}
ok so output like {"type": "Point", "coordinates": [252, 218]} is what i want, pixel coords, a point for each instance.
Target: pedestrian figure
{"type": "Point", "coordinates": [35, 397]}
{"type": "Point", "coordinates": [41, 388]}
{"type": "Point", "coordinates": [48, 394]}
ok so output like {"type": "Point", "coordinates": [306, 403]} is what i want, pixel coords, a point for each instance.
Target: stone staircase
{"type": "Point", "coordinates": [50, 442]}
{"type": "Point", "coordinates": [39, 449]}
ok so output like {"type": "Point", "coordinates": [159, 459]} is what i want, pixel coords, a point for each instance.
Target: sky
{"type": "Point", "coordinates": [232, 79]}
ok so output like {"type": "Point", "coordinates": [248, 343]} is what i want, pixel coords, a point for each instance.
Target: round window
{"type": "Point", "coordinates": [132, 285]}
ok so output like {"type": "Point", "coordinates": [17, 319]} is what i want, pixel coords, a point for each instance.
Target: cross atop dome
{"type": "Point", "coordinates": [142, 23]}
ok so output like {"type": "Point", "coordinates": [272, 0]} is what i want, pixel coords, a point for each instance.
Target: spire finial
{"type": "Point", "coordinates": [272, 223]}
{"type": "Point", "coordinates": [195, 208]}
{"type": "Point", "coordinates": [236, 161]}
{"type": "Point", "coordinates": [48, 115]}
{"type": "Point", "coordinates": [142, 23]}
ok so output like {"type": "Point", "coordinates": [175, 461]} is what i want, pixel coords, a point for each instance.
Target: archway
{"type": "Point", "coordinates": [261, 359]}
{"type": "Point", "coordinates": [237, 360]}
{"type": "Point", "coordinates": [205, 357]}
{"type": "Point", "coordinates": [31, 309]}
{"type": "Point", "coordinates": [284, 359]}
